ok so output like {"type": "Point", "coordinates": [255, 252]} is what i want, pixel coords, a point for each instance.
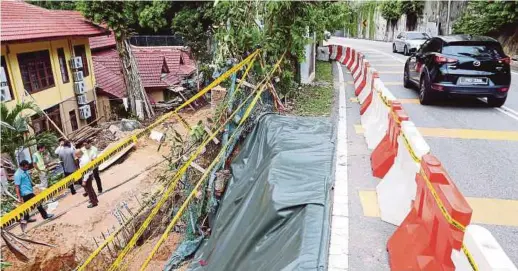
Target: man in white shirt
{"type": "Point", "coordinates": [92, 152]}
{"type": "Point", "coordinates": [87, 178]}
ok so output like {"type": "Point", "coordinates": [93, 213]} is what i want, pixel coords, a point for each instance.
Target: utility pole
{"type": "Point", "coordinates": [448, 19]}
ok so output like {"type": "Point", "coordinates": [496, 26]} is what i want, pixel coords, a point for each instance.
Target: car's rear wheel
{"type": "Point", "coordinates": [406, 77]}
{"type": "Point", "coordinates": [495, 101]}
{"type": "Point", "coordinates": [405, 50]}
{"type": "Point", "coordinates": [394, 48]}
{"type": "Point", "coordinates": [425, 95]}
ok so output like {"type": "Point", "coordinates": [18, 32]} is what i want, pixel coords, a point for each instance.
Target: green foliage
{"type": "Point", "coordinates": [192, 23]}
{"type": "Point", "coordinates": [411, 7]}
{"type": "Point", "coordinates": [486, 18]}
{"type": "Point", "coordinates": [391, 11]}
{"type": "Point", "coordinates": [60, 5]}
{"type": "Point", "coordinates": [316, 99]}
{"type": "Point", "coordinates": [15, 130]}
{"type": "Point", "coordinates": [276, 27]}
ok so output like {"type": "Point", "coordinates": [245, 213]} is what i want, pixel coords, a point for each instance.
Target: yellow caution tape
{"type": "Point", "coordinates": [383, 99]}
{"type": "Point", "coordinates": [183, 122]}
{"type": "Point", "coordinates": [470, 258]}
{"type": "Point", "coordinates": [261, 85]}
{"type": "Point", "coordinates": [409, 148]}
{"type": "Point", "coordinates": [51, 192]}
{"type": "Point", "coordinates": [197, 187]}
{"type": "Point", "coordinates": [395, 116]}
{"type": "Point", "coordinates": [444, 212]}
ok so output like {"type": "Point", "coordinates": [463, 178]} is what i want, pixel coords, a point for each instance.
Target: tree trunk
{"type": "Point", "coordinates": [134, 86]}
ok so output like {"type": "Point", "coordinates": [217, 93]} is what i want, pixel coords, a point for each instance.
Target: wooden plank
{"type": "Point", "coordinates": [112, 160]}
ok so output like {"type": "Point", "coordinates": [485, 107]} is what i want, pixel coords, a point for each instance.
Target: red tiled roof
{"type": "Point", "coordinates": [108, 74]}
{"type": "Point", "coordinates": [102, 41]}
{"type": "Point", "coordinates": [22, 21]}
{"type": "Point", "coordinates": [150, 61]}
{"type": "Point", "coordinates": [98, 42]}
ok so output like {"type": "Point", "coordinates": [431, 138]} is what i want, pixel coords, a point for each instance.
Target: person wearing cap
{"type": "Point", "coordinates": [87, 178]}
{"type": "Point", "coordinates": [23, 186]}
{"type": "Point", "coordinates": [92, 152]}
{"type": "Point", "coordinates": [38, 163]}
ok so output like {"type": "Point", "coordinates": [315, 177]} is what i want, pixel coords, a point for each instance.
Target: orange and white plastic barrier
{"type": "Point", "coordinates": [356, 71]}
{"type": "Point", "coordinates": [352, 57]}
{"type": "Point", "coordinates": [481, 252]}
{"type": "Point", "coordinates": [415, 192]}
{"type": "Point", "coordinates": [364, 88]}
{"type": "Point", "coordinates": [435, 225]}
{"type": "Point", "coordinates": [375, 119]}
{"type": "Point", "coordinates": [383, 156]}
{"type": "Point", "coordinates": [397, 189]}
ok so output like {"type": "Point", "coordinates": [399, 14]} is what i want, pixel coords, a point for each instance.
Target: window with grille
{"type": "Point", "coordinates": [79, 50]}
{"type": "Point", "coordinates": [36, 70]}
{"type": "Point", "coordinates": [40, 123]}
{"type": "Point", "coordinates": [63, 65]}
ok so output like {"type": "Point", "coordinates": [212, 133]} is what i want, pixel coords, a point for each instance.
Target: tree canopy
{"type": "Point", "coordinates": [483, 18]}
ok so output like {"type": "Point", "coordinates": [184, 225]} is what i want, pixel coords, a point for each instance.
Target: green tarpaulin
{"type": "Point", "coordinates": [275, 213]}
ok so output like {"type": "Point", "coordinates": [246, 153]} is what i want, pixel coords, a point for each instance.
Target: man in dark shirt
{"type": "Point", "coordinates": [66, 154]}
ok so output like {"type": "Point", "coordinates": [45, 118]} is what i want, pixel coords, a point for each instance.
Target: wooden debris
{"type": "Point", "coordinates": [215, 140]}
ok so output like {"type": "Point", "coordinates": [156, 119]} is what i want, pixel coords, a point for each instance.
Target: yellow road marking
{"type": "Point", "coordinates": [460, 133]}
{"type": "Point", "coordinates": [403, 101]}
{"type": "Point", "coordinates": [369, 201]}
{"type": "Point", "coordinates": [485, 210]}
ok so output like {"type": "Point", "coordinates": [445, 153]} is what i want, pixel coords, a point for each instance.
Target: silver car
{"type": "Point", "coordinates": [408, 42]}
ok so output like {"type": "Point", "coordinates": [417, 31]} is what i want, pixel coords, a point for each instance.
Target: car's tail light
{"type": "Point", "coordinates": [442, 59]}
{"type": "Point", "coordinates": [505, 60]}
{"type": "Point", "coordinates": [504, 89]}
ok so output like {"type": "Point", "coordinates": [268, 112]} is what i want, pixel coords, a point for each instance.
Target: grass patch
{"type": "Point", "coordinates": [316, 99]}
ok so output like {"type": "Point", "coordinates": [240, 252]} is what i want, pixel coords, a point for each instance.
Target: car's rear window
{"type": "Point", "coordinates": [417, 36]}
{"type": "Point", "coordinates": [487, 50]}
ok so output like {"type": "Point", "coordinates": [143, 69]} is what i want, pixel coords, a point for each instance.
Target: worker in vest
{"type": "Point", "coordinates": [38, 163]}
{"type": "Point", "coordinates": [92, 152]}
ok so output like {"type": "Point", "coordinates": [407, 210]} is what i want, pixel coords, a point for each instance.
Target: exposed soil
{"type": "Point", "coordinates": [73, 232]}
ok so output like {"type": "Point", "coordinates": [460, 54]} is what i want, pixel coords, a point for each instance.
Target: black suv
{"type": "Point", "coordinates": [460, 65]}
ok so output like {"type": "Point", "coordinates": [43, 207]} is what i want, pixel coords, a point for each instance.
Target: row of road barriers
{"type": "Point", "coordinates": [415, 192]}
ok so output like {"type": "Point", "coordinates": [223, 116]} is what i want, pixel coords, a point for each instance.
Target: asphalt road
{"type": "Point", "coordinates": [480, 166]}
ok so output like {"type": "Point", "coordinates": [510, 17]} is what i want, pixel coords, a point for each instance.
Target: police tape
{"type": "Point", "coordinates": [51, 192]}
{"type": "Point", "coordinates": [168, 191]}
{"type": "Point", "coordinates": [450, 219]}
{"type": "Point", "coordinates": [146, 223]}
{"type": "Point", "coordinates": [198, 184]}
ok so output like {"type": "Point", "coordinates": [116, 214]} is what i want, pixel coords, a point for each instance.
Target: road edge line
{"type": "Point", "coordinates": [338, 257]}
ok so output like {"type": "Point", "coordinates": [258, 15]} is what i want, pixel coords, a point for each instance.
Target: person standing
{"type": "Point", "coordinates": [92, 152]}
{"type": "Point", "coordinates": [38, 163]}
{"type": "Point", "coordinates": [66, 154]}
{"type": "Point", "coordinates": [23, 184]}
{"type": "Point", "coordinates": [87, 178]}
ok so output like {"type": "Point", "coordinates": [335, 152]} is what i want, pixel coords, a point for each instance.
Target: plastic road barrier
{"type": "Point", "coordinates": [377, 126]}
{"type": "Point", "coordinates": [382, 158]}
{"type": "Point", "coordinates": [481, 252]}
{"type": "Point", "coordinates": [435, 225]}
{"type": "Point", "coordinates": [397, 189]}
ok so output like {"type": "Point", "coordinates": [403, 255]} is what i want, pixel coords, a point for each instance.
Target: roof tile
{"type": "Point", "coordinates": [23, 21]}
